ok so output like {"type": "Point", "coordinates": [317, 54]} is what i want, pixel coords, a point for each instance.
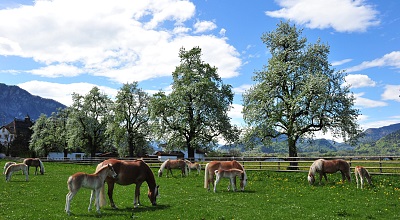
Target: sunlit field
{"type": "Point", "coordinates": [268, 195]}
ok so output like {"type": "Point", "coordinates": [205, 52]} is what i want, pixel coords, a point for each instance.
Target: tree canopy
{"type": "Point", "coordinates": [129, 126]}
{"type": "Point", "coordinates": [298, 92]}
{"type": "Point", "coordinates": [194, 115]}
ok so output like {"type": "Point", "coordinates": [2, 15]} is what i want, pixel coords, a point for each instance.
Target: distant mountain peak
{"type": "Point", "coordinates": [18, 103]}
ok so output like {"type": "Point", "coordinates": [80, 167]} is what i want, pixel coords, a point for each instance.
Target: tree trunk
{"type": "Point", "coordinates": [190, 152]}
{"type": "Point", "coordinates": [292, 154]}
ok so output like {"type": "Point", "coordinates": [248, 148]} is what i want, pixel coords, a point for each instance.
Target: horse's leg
{"type": "Point", "coordinates": [26, 175]}
{"type": "Point", "coordinates": [362, 181]}
{"type": "Point", "coordinates": [356, 174]}
{"type": "Point", "coordinates": [216, 182]}
{"type": "Point", "coordinates": [97, 201]}
{"type": "Point", "coordinates": [110, 194]}
{"type": "Point", "coordinates": [91, 200]}
{"type": "Point", "coordinates": [69, 197]}
{"type": "Point", "coordinates": [136, 201]}
{"type": "Point", "coordinates": [233, 183]}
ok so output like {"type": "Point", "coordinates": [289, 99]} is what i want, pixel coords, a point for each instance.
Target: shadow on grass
{"type": "Point", "coordinates": [127, 212]}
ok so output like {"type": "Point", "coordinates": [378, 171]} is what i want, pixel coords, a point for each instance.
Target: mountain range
{"type": "Point", "coordinates": [18, 103]}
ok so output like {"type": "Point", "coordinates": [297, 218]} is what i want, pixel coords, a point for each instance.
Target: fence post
{"type": "Point", "coordinates": [279, 165]}
{"type": "Point", "coordinates": [380, 164]}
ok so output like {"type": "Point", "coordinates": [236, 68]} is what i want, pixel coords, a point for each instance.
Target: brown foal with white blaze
{"type": "Point", "coordinates": [361, 173]}
{"type": "Point", "coordinates": [91, 181]}
{"type": "Point", "coordinates": [231, 174]}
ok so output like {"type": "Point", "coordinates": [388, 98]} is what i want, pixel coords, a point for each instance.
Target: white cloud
{"type": "Point", "coordinates": [391, 60]}
{"type": "Point", "coordinates": [359, 81]}
{"type": "Point", "coordinates": [367, 103]}
{"type": "Point", "coordinates": [203, 26]}
{"type": "Point", "coordinates": [236, 115]}
{"type": "Point", "coordinates": [57, 71]}
{"type": "Point", "coordinates": [63, 92]}
{"type": "Point", "coordinates": [391, 92]}
{"type": "Point", "coordinates": [123, 40]}
{"type": "Point", "coordinates": [241, 89]}
{"type": "Point", "coordinates": [341, 62]}
{"type": "Point", "coordinates": [341, 15]}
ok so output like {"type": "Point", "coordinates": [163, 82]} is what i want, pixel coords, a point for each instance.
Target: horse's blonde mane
{"type": "Point", "coordinates": [102, 168]}
{"type": "Point", "coordinates": [315, 166]}
{"type": "Point", "coordinates": [163, 165]}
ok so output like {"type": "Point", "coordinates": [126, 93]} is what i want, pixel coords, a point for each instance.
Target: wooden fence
{"type": "Point", "coordinates": [374, 164]}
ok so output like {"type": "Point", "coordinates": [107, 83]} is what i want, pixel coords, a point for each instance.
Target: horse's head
{"type": "Point", "coordinates": [311, 179]}
{"type": "Point", "coordinates": [160, 173]}
{"type": "Point", "coordinates": [153, 195]}
{"type": "Point", "coordinates": [111, 171]}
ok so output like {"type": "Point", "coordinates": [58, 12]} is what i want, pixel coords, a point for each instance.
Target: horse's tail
{"type": "Point", "coordinates": [102, 195]}
{"type": "Point", "coordinates": [206, 176]}
{"type": "Point", "coordinates": [41, 167]}
{"type": "Point", "coordinates": [186, 169]}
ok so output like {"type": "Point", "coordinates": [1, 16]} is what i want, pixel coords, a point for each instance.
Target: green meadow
{"type": "Point", "coordinates": [268, 195]}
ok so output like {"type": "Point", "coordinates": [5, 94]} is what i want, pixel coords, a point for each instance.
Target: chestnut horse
{"type": "Point", "coordinates": [212, 166]}
{"type": "Point", "coordinates": [231, 174]}
{"type": "Point", "coordinates": [193, 166]}
{"type": "Point", "coordinates": [173, 164]}
{"type": "Point", "coordinates": [361, 173]}
{"type": "Point", "coordinates": [130, 172]}
{"type": "Point", "coordinates": [34, 162]}
{"type": "Point", "coordinates": [91, 181]}
{"type": "Point", "coordinates": [16, 167]}
{"type": "Point", "coordinates": [323, 167]}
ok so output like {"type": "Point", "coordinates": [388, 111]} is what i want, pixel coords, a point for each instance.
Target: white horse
{"type": "Point", "coordinates": [16, 167]}
{"type": "Point", "coordinates": [193, 166]}
{"type": "Point", "coordinates": [7, 165]}
{"type": "Point", "coordinates": [361, 172]}
{"type": "Point", "coordinates": [91, 181]}
{"type": "Point", "coordinates": [231, 174]}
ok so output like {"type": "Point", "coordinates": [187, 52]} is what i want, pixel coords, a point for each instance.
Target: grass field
{"type": "Point", "coordinates": [268, 195]}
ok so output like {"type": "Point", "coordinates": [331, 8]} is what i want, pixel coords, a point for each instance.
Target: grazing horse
{"type": "Point", "coordinates": [173, 164]}
{"type": "Point", "coordinates": [16, 167]}
{"type": "Point", "coordinates": [212, 166]}
{"type": "Point", "coordinates": [130, 172]}
{"type": "Point", "coordinates": [91, 181]}
{"type": "Point", "coordinates": [360, 171]}
{"type": "Point", "coordinates": [323, 167]}
{"type": "Point", "coordinates": [231, 174]}
{"type": "Point", "coordinates": [7, 165]}
{"type": "Point", "coordinates": [193, 166]}
{"type": "Point", "coordinates": [34, 162]}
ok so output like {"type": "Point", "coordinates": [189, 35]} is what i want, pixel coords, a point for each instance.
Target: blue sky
{"type": "Point", "coordinates": [54, 48]}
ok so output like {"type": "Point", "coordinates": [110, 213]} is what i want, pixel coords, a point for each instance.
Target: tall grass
{"type": "Point", "coordinates": [268, 195]}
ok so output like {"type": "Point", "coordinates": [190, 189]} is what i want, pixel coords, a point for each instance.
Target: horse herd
{"type": "Point", "coordinates": [11, 167]}
{"type": "Point", "coordinates": [136, 172]}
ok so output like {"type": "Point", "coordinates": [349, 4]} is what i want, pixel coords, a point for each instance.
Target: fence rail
{"type": "Point", "coordinates": [374, 164]}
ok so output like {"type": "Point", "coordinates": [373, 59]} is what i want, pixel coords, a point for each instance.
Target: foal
{"type": "Point", "coordinates": [91, 181]}
{"type": "Point", "coordinates": [7, 165]}
{"type": "Point", "coordinates": [193, 166]}
{"type": "Point", "coordinates": [16, 167]}
{"type": "Point", "coordinates": [361, 172]}
{"type": "Point", "coordinates": [231, 174]}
